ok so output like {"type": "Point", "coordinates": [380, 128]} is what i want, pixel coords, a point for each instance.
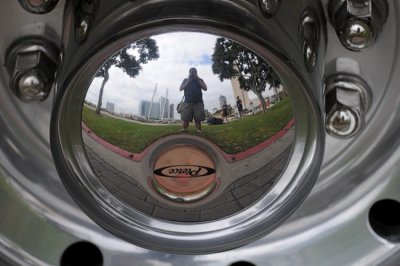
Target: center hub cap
{"type": "Point", "coordinates": [184, 173]}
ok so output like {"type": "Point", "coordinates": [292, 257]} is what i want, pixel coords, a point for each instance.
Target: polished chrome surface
{"type": "Point", "coordinates": [31, 87]}
{"type": "Point", "coordinates": [359, 8]}
{"type": "Point", "coordinates": [342, 122]}
{"type": "Point", "coordinates": [358, 24]}
{"type": "Point", "coordinates": [358, 35]}
{"type": "Point", "coordinates": [348, 99]}
{"type": "Point", "coordinates": [222, 169]}
{"type": "Point", "coordinates": [32, 64]}
{"type": "Point", "coordinates": [40, 221]}
{"type": "Point", "coordinates": [131, 221]}
{"type": "Point", "coordinates": [38, 6]}
{"type": "Point", "coordinates": [310, 35]}
{"type": "Point", "coordinates": [269, 7]}
{"type": "Point", "coordinates": [82, 30]}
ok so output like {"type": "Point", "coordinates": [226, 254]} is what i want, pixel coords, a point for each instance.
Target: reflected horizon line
{"type": "Point", "coordinates": [137, 157]}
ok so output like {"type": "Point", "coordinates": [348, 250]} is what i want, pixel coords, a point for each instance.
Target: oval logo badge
{"type": "Point", "coordinates": [184, 171]}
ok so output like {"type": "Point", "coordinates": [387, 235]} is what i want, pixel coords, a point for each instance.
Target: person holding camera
{"type": "Point", "coordinates": [193, 106]}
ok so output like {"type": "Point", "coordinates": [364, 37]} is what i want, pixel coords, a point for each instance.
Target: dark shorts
{"type": "Point", "coordinates": [192, 111]}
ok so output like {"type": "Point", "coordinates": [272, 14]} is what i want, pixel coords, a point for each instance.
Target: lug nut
{"type": "Point", "coordinates": [38, 6]}
{"type": "Point", "coordinates": [358, 22]}
{"type": "Point", "coordinates": [347, 99]}
{"type": "Point", "coordinates": [32, 66]}
{"type": "Point", "coordinates": [358, 35]}
{"type": "Point", "coordinates": [342, 122]}
{"type": "Point", "coordinates": [310, 56]}
{"type": "Point", "coordinates": [32, 87]}
{"type": "Point", "coordinates": [85, 13]}
{"type": "Point", "coordinates": [269, 7]}
{"type": "Point", "coordinates": [309, 35]}
{"type": "Point", "coordinates": [82, 30]}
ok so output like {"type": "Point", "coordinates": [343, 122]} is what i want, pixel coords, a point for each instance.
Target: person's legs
{"type": "Point", "coordinates": [185, 124]}
{"type": "Point", "coordinates": [186, 115]}
{"type": "Point", "coordinates": [197, 124]}
{"type": "Point", "coordinates": [199, 115]}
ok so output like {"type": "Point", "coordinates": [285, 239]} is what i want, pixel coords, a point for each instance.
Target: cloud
{"type": "Point", "coordinates": [178, 52]}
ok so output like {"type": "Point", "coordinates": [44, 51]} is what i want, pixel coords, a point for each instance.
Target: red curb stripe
{"type": "Point", "coordinates": [244, 154]}
{"type": "Point", "coordinates": [126, 154]}
{"type": "Point", "coordinates": [228, 157]}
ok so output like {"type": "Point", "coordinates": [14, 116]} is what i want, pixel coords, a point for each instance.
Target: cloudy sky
{"type": "Point", "coordinates": [178, 52]}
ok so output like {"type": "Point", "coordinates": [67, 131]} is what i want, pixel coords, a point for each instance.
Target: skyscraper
{"type": "Point", "coordinates": [222, 100]}
{"type": "Point", "coordinates": [171, 110]}
{"type": "Point", "coordinates": [144, 108]}
{"type": "Point", "coordinates": [110, 107]}
{"type": "Point", "coordinates": [237, 91]}
{"type": "Point", "coordinates": [164, 107]}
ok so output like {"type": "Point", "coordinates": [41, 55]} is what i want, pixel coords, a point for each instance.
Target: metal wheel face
{"type": "Point", "coordinates": [131, 221]}
{"type": "Point", "coordinates": [333, 201]}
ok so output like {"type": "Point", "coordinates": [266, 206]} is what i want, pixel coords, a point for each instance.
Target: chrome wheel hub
{"type": "Point", "coordinates": [319, 184]}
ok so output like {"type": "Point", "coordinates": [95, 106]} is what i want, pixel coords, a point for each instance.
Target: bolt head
{"type": "Point", "coordinates": [32, 87]}
{"type": "Point", "coordinates": [270, 7]}
{"type": "Point", "coordinates": [38, 6]}
{"type": "Point", "coordinates": [310, 56]}
{"type": "Point", "coordinates": [358, 35]}
{"type": "Point", "coordinates": [343, 122]}
{"type": "Point", "coordinates": [37, 3]}
{"type": "Point", "coordinates": [82, 30]}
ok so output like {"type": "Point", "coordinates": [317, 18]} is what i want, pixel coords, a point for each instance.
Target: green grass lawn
{"type": "Point", "coordinates": [233, 137]}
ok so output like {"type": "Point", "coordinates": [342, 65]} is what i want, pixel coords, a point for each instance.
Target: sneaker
{"type": "Point", "coordinates": [198, 131]}
{"type": "Point", "coordinates": [184, 130]}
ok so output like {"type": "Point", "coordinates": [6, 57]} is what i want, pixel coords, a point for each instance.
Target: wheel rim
{"type": "Point", "coordinates": [356, 174]}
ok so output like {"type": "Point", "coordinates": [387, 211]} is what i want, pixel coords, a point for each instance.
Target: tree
{"type": "Point", "coordinates": [231, 59]}
{"type": "Point", "coordinates": [145, 49]}
{"type": "Point", "coordinates": [231, 111]}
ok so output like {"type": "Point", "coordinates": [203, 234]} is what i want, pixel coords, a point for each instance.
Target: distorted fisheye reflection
{"type": "Point", "coordinates": [227, 105]}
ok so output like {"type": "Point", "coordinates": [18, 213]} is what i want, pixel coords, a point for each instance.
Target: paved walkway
{"type": "Point", "coordinates": [123, 178]}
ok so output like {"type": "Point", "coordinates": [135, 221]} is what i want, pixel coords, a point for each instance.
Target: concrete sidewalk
{"type": "Point", "coordinates": [123, 178]}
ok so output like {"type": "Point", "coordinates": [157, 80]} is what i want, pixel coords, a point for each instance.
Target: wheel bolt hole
{"type": "Point", "coordinates": [384, 218]}
{"type": "Point", "coordinates": [82, 253]}
{"type": "Point", "coordinates": [242, 263]}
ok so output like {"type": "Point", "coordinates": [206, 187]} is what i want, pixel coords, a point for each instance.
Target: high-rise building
{"type": "Point", "coordinates": [144, 109]}
{"type": "Point", "coordinates": [164, 107]}
{"type": "Point", "coordinates": [171, 110]}
{"type": "Point", "coordinates": [110, 107]}
{"type": "Point", "coordinates": [222, 100]}
{"type": "Point", "coordinates": [155, 111]}
{"type": "Point", "coordinates": [237, 91]}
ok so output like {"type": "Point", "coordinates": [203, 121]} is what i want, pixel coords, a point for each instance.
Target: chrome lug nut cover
{"type": "Point", "coordinates": [32, 87]}
{"type": "Point", "coordinates": [38, 6]}
{"type": "Point", "coordinates": [348, 98]}
{"type": "Point", "coordinates": [269, 7]}
{"type": "Point", "coordinates": [82, 30]}
{"type": "Point", "coordinates": [358, 24]}
{"type": "Point", "coordinates": [32, 64]}
{"type": "Point", "coordinates": [358, 35]}
{"type": "Point", "coordinates": [343, 122]}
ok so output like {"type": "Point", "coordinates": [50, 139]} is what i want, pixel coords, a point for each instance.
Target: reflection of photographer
{"type": "Point", "coordinates": [193, 106]}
